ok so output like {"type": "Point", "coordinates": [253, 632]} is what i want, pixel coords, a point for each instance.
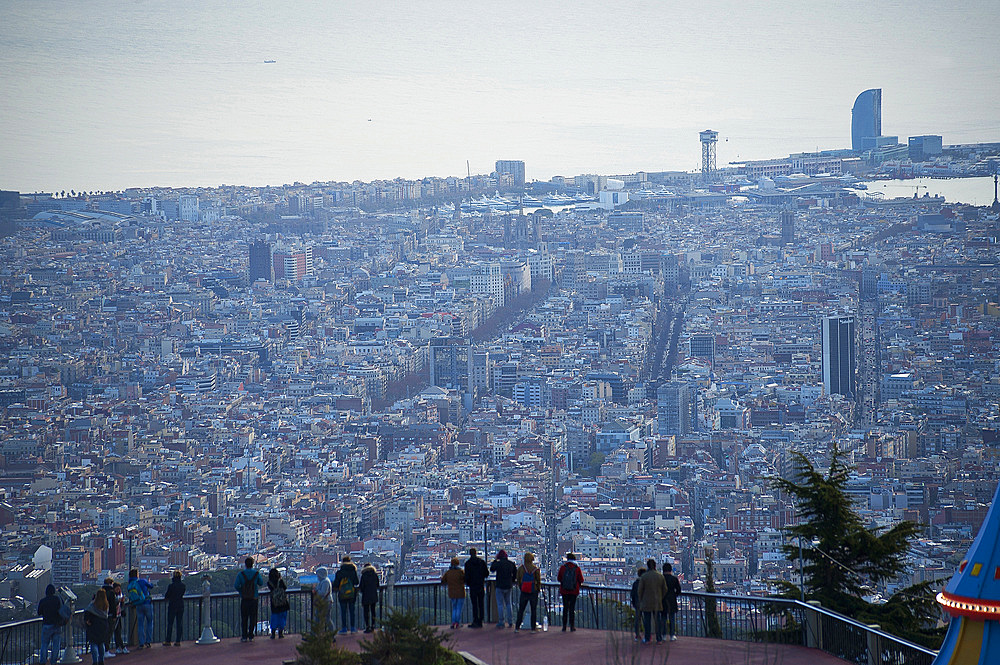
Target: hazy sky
{"type": "Point", "coordinates": [104, 95]}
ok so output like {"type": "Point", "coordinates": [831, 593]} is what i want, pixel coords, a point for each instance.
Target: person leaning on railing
{"type": "Point", "coordinates": [52, 623]}
{"type": "Point", "coordinates": [142, 602]}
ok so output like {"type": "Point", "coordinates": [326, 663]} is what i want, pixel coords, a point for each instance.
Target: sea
{"type": "Point", "coordinates": [975, 191]}
{"type": "Point", "coordinates": [104, 94]}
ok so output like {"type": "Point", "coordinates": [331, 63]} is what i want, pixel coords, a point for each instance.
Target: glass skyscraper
{"type": "Point", "coordinates": [866, 117]}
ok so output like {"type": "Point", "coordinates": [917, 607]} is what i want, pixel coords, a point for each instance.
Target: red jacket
{"type": "Point", "coordinates": [579, 580]}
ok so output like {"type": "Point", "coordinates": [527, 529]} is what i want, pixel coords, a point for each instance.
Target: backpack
{"type": "Point", "coordinates": [137, 594]}
{"type": "Point", "coordinates": [248, 589]}
{"type": "Point", "coordinates": [278, 597]}
{"type": "Point", "coordinates": [567, 581]}
{"type": "Point", "coordinates": [346, 590]}
{"type": "Point", "coordinates": [65, 614]}
{"type": "Point", "coordinates": [528, 581]}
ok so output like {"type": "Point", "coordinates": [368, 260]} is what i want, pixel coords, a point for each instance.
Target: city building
{"type": "Point", "coordinates": [925, 147]}
{"type": "Point", "coordinates": [261, 266]}
{"type": "Point", "coordinates": [839, 361]}
{"type": "Point", "coordinates": [674, 407]}
{"type": "Point", "coordinates": [866, 118]}
{"type": "Point", "coordinates": [515, 167]}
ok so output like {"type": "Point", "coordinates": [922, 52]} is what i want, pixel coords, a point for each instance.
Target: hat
{"type": "Point", "coordinates": [502, 554]}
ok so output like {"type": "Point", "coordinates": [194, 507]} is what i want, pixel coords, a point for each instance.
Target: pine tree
{"type": "Point", "coordinates": [845, 560]}
{"type": "Point", "coordinates": [712, 627]}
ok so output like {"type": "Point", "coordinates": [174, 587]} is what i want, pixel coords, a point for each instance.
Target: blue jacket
{"type": "Point", "coordinates": [253, 576]}
{"type": "Point", "coordinates": [138, 591]}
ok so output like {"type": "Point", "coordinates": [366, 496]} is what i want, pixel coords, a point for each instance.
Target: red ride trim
{"type": "Point", "coordinates": [973, 608]}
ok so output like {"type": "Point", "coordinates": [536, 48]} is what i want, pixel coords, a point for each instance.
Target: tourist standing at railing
{"type": "Point", "coordinates": [52, 623]}
{"type": "Point", "coordinates": [570, 579]}
{"type": "Point", "coordinates": [116, 628]}
{"type": "Point", "coordinates": [670, 600]}
{"type": "Point", "coordinates": [279, 603]}
{"type": "Point", "coordinates": [142, 604]}
{"type": "Point", "coordinates": [175, 607]}
{"type": "Point", "coordinates": [529, 581]}
{"type": "Point", "coordinates": [505, 572]}
{"type": "Point", "coordinates": [113, 606]}
{"type": "Point", "coordinates": [454, 577]}
{"type": "Point", "coordinates": [369, 595]}
{"type": "Point", "coordinates": [652, 589]}
{"type": "Point", "coordinates": [95, 619]}
{"type": "Point", "coordinates": [247, 582]}
{"type": "Point", "coordinates": [346, 582]}
{"type": "Point", "coordinates": [635, 602]}
{"type": "Point", "coordinates": [476, 573]}
{"type": "Point", "coordinates": [323, 599]}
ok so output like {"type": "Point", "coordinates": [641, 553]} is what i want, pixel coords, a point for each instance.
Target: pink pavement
{"type": "Point", "coordinates": [504, 647]}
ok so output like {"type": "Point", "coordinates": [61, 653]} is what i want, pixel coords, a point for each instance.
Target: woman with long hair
{"type": "Point", "coordinates": [95, 618]}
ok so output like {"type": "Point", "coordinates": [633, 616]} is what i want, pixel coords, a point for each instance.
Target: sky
{"type": "Point", "coordinates": [103, 95]}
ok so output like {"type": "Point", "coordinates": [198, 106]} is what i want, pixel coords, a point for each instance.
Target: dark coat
{"type": "Point", "coordinates": [652, 589]}
{"type": "Point", "coordinates": [476, 572]}
{"type": "Point", "coordinates": [369, 586]}
{"type": "Point", "coordinates": [175, 596]}
{"type": "Point", "coordinates": [673, 590]}
{"type": "Point", "coordinates": [109, 591]}
{"type": "Point", "coordinates": [347, 571]}
{"type": "Point", "coordinates": [96, 622]}
{"type": "Point", "coordinates": [48, 609]}
{"type": "Point", "coordinates": [505, 571]}
{"type": "Point", "coordinates": [272, 586]}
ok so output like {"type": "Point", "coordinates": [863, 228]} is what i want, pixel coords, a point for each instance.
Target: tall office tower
{"type": "Point", "coordinates": [708, 140]}
{"type": "Point", "coordinates": [839, 361]}
{"type": "Point", "coordinates": [260, 261]}
{"type": "Point", "coordinates": [448, 359]}
{"type": "Point", "coordinates": [787, 227]}
{"type": "Point", "coordinates": [866, 118]}
{"type": "Point", "coordinates": [674, 408]}
{"type": "Point", "coordinates": [515, 167]}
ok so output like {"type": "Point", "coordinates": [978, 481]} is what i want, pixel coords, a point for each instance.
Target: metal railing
{"type": "Point", "coordinates": [739, 618]}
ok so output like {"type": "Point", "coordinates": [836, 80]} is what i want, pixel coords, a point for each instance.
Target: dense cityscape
{"type": "Point", "coordinates": [611, 365]}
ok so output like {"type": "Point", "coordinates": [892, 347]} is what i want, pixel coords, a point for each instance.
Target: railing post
{"type": "Point", "coordinates": [813, 625]}
{"type": "Point", "coordinates": [874, 645]}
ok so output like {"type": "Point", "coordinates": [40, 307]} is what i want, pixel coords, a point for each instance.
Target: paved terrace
{"type": "Point", "coordinates": [503, 647]}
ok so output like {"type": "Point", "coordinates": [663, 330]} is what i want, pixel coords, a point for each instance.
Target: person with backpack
{"type": "Point", "coordinates": [52, 623]}
{"type": "Point", "coordinates": [142, 604]}
{"type": "Point", "coordinates": [369, 595]}
{"type": "Point", "coordinates": [346, 583]}
{"type": "Point", "coordinates": [175, 607]}
{"type": "Point", "coordinates": [454, 577]}
{"type": "Point", "coordinates": [670, 599]}
{"type": "Point", "coordinates": [95, 619]}
{"type": "Point", "coordinates": [323, 599]}
{"type": "Point", "coordinates": [505, 572]}
{"type": "Point", "coordinates": [279, 603]}
{"type": "Point", "coordinates": [635, 603]}
{"type": "Point", "coordinates": [476, 573]}
{"type": "Point", "coordinates": [248, 580]}
{"type": "Point", "coordinates": [570, 579]}
{"type": "Point", "coordinates": [529, 582]}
